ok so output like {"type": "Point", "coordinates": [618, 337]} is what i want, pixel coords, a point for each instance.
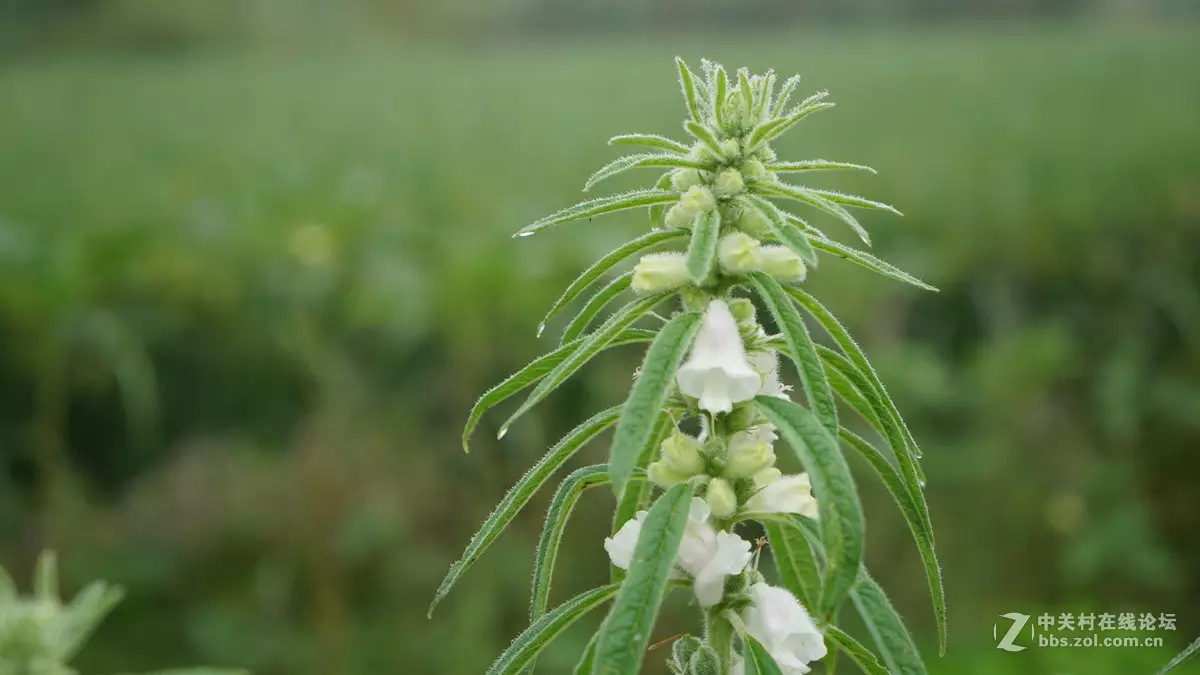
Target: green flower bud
{"type": "Point", "coordinates": [660, 474]}
{"type": "Point", "coordinates": [753, 223]}
{"type": "Point", "coordinates": [742, 310]}
{"type": "Point", "coordinates": [704, 662]}
{"type": "Point", "coordinates": [679, 217]}
{"type": "Point", "coordinates": [743, 417]}
{"type": "Point", "coordinates": [782, 263]}
{"type": "Point", "coordinates": [698, 199]}
{"type": "Point", "coordinates": [682, 652]}
{"type": "Point", "coordinates": [683, 179]}
{"type": "Point", "coordinates": [752, 168]}
{"type": "Point", "coordinates": [695, 299]}
{"type": "Point", "coordinates": [738, 253]}
{"type": "Point", "coordinates": [729, 183]}
{"type": "Point", "coordinates": [702, 153]}
{"type": "Point", "coordinates": [657, 272]}
{"type": "Point", "coordinates": [721, 498]}
{"type": "Point", "coordinates": [765, 154]}
{"type": "Point", "coordinates": [730, 148]}
{"type": "Point", "coordinates": [748, 460]}
{"type": "Point", "coordinates": [682, 454]}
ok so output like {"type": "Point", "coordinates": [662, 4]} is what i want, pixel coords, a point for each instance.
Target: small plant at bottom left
{"type": "Point", "coordinates": [39, 634]}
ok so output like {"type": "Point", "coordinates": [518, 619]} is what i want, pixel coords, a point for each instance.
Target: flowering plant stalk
{"type": "Point", "coordinates": [693, 455]}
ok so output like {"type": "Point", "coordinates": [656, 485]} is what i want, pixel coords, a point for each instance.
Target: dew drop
{"type": "Point", "coordinates": [503, 430]}
{"type": "Point", "coordinates": [524, 234]}
{"type": "Point", "coordinates": [541, 327]}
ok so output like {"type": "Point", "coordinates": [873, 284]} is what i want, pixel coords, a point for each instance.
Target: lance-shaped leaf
{"type": "Point", "coordinates": [794, 560]}
{"type": "Point", "coordinates": [860, 654]}
{"type": "Point", "coordinates": [720, 90]}
{"type": "Point", "coordinates": [633, 500]}
{"type": "Point", "coordinates": [591, 345]}
{"type": "Point", "coordinates": [655, 213]}
{"type": "Point", "coordinates": [854, 200]}
{"type": "Point", "coordinates": [687, 84]}
{"type": "Point", "coordinates": [521, 493]}
{"type": "Point", "coordinates": [84, 615]}
{"type": "Point", "coordinates": [757, 660]}
{"type": "Point", "coordinates": [705, 136]}
{"type": "Point", "coordinates": [648, 395]}
{"type": "Point", "coordinates": [650, 141]}
{"type": "Point", "coordinates": [815, 165]}
{"type": "Point", "coordinates": [896, 647]}
{"type": "Point", "coordinates": [702, 251]}
{"type": "Point", "coordinates": [639, 161]}
{"type": "Point", "coordinates": [587, 660]}
{"type": "Point", "coordinates": [807, 196]}
{"type": "Point", "coordinates": [800, 348]}
{"type": "Point", "coordinates": [856, 355]}
{"type": "Point", "coordinates": [767, 131]}
{"type": "Point", "coordinates": [595, 305]}
{"type": "Point", "coordinates": [600, 206]}
{"type": "Point", "coordinates": [1183, 657]}
{"type": "Point", "coordinates": [870, 262]}
{"type": "Point", "coordinates": [837, 498]}
{"type": "Point", "coordinates": [542, 632]}
{"type": "Point", "coordinates": [785, 231]}
{"type": "Point", "coordinates": [536, 371]}
{"type": "Point", "coordinates": [916, 514]}
{"type": "Point", "coordinates": [625, 633]}
{"type": "Point", "coordinates": [785, 93]}
{"type": "Point", "coordinates": [597, 270]}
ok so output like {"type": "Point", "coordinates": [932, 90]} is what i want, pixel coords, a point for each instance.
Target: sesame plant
{"type": "Point", "coordinates": [692, 461]}
{"type": "Point", "coordinates": [39, 635]}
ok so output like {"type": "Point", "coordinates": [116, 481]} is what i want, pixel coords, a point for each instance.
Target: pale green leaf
{"type": "Point", "coordinates": [854, 200]}
{"type": "Point", "coordinates": [639, 161]}
{"type": "Point", "coordinates": [771, 129]}
{"type": "Point", "coordinates": [632, 501]}
{"type": "Point", "coordinates": [721, 88]}
{"type": "Point", "coordinates": [705, 136]}
{"type": "Point", "coordinates": [521, 493]}
{"type": "Point", "coordinates": [600, 206]}
{"type": "Point", "coordinates": [758, 660]}
{"type": "Point", "coordinates": [650, 141]}
{"type": "Point", "coordinates": [896, 647]}
{"type": "Point", "coordinates": [1186, 655]}
{"type": "Point", "coordinates": [542, 632]}
{"type": "Point", "coordinates": [785, 93]}
{"type": "Point", "coordinates": [625, 633]}
{"type": "Point", "coordinates": [794, 561]}
{"type": "Point", "coordinates": [702, 251]}
{"type": "Point", "coordinates": [860, 654]}
{"type": "Point", "coordinates": [688, 84]}
{"type": "Point", "coordinates": [787, 233]}
{"type": "Point", "coordinates": [594, 306]}
{"type": "Point", "coordinates": [807, 196]}
{"type": "Point", "coordinates": [565, 498]}
{"type": "Point", "coordinates": [588, 659]}
{"type": "Point", "coordinates": [870, 262]}
{"type": "Point", "coordinates": [814, 165]}
{"type": "Point", "coordinates": [648, 395]}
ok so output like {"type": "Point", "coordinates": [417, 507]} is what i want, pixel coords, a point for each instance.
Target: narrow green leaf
{"type": "Point", "coordinates": [721, 82]}
{"type": "Point", "coordinates": [852, 350]}
{"type": "Point", "coordinates": [622, 164]}
{"type": "Point", "coordinates": [595, 305]}
{"type": "Point", "coordinates": [597, 270]}
{"type": "Point", "coordinates": [841, 513]}
{"type": "Point", "coordinates": [785, 93]}
{"type": "Point", "coordinates": [521, 493]}
{"type": "Point", "coordinates": [602, 205]}
{"type": "Point", "coordinates": [534, 372]}
{"type": "Point", "coordinates": [45, 577]}
{"type": "Point", "coordinates": [648, 395]}
{"type": "Point", "coordinates": [688, 84]}
{"type": "Point", "coordinates": [854, 200]}
{"type": "Point", "coordinates": [807, 196]}
{"type": "Point", "coordinates": [860, 654]}
{"type": "Point", "coordinates": [794, 561]}
{"type": "Point", "coordinates": [870, 262]}
{"type": "Point", "coordinates": [84, 615]}
{"type": "Point", "coordinates": [745, 88]}
{"type": "Point", "coordinates": [591, 345]}
{"type": "Point", "coordinates": [800, 349]}
{"type": "Point", "coordinates": [762, 96]}
{"type": "Point", "coordinates": [916, 514]}
{"type": "Point", "coordinates": [625, 633]}
{"type": "Point", "coordinates": [650, 141]}
{"type": "Point", "coordinates": [1186, 655]}
{"type": "Point", "coordinates": [815, 165]}
{"type": "Point", "coordinates": [632, 501]}
{"type": "Point", "coordinates": [767, 131]}
{"type": "Point", "coordinates": [542, 632]}
{"type": "Point", "coordinates": [705, 136]}
{"type": "Point", "coordinates": [565, 498]}
{"type": "Point", "coordinates": [702, 251]}
{"type": "Point", "coordinates": [787, 233]}
{"type": "Point", "coordinates": [588, 659]}
{"type": "Point", "coordinates": [758, 660]}
{"type": "Point", "coordinates": [655, 213]}
{"type": "Point", "coordinates": [896, 646]}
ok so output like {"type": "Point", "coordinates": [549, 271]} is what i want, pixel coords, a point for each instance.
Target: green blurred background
{"type": "Point", "coordinates": [255, 267]}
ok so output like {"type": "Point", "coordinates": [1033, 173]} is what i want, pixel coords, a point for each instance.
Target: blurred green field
{"type": "Point", "coordinates": [248, 299]}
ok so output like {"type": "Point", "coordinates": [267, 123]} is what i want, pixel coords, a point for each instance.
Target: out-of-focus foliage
{"type": "Point", "coordinates": [247, 299]}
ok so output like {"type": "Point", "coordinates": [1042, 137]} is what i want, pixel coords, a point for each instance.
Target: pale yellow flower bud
{"type": "Point", "coordinates": [742, 310]}
{"type": "Point", "coordinates": [698, 199]}
{"type": "Point", "coordinates": [766, 477]}
{"type": "Point", "coordinates": [753, 222]}
{"type": "Point", "coordinates": [721, 499]}
{"type": "Point", "coordinates": [679, 217]}
{"type": "Point", "coordinates": [657, 272]}
{"type": "Point", "coordinates": [782, 263]}
{"type": "Point", "coordinates": [683, 179]}
{"type": "Point", "coordinates": [729, 183]}
{"type": "Point", "coordinates": [738, 253]}
{"type": "Point", "coordinates": [752, 168]}
{"type": "Point", "coordinates": [748, 460]}
{"type": "Point", "coordinates": [730, 148]}
{"type": "Point", "coordinates": [682, 455]}
{"type": "Point", "coordinates": [662, 475]}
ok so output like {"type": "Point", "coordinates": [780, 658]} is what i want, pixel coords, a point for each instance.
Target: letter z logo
{"type": "Point", "coordinates": [1018, 623]}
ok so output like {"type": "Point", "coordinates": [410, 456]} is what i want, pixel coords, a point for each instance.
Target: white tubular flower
{"type": "Point", "coordinates": [786, 494]}
{"type": "Point", "coordinates": [738, 252]}
{"type": "Point", "coordinates": [710, 556]}
{"type": "Point", "coordinates": [620, 546]}
{"type": "Point", "coordinates": [779, 622]}
{"type": "Point", "coordinates": [657, 272]}
{"type": "Point", "coordinates": [766, 364]}
{"type": "Point", "coordinates": [717, 371]}
{"type": "Point", "coordinates": [782, 263]}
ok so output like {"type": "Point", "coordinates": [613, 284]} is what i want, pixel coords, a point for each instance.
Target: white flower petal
{"type": "Point", "coordinates": [779, 622]}
{"type": "Point", "coordinates": [620, 546]}
{"type": "Point", "coordinates": [788, 494]}
{"type": "Point", "coordinates": [717, 371]}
